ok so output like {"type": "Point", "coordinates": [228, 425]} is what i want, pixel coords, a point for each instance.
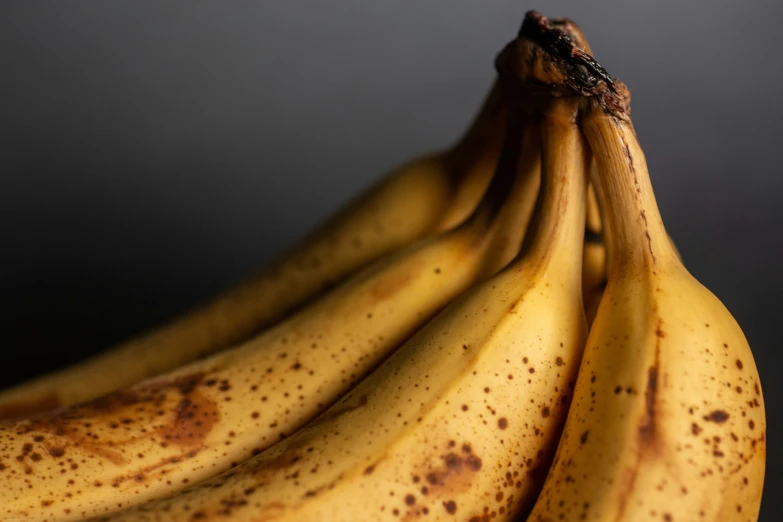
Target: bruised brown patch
{"type": "Point", "coordinates": [56, 452]}
{"type": "Point", "coordinates": [647, 428]}
{"type": "Point", "coordinates": [453, 475]}
{"type": "Point", "coordinates": [102, 427]}
{"type": "Point", "coordinates": [392, 283]}
{"type": "Point", "coordinates": [454, 467]}
{"type": "Point", "coordinates": [648, 425]}
{"type": "Point", "coordinates": [194, 417]}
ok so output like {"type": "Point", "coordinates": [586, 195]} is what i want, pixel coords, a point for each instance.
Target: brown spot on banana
{"type": "Point", "coordinates": [648, 436]}
{"type": "Point", "coordinates": [388, 286]}
{"type": "Point", "coordinates": [195, 416]}
{"type": "Point", "coordinates": [454, 474]}
{"type": "Point", "coordinates": [717, 416]}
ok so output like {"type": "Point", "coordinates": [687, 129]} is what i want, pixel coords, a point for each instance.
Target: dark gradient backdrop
{"type": "Point", "coordinates": [153, 153]}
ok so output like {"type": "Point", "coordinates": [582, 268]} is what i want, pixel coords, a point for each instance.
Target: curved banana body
{"type": "Point", "coordinates": [157, 437]}
{"type": "Point", "coordinates": [461, 422]}
{"type": "Point", "coordinates": [419, 199]}
{"type": "Point", "coordinates": [667, 420]}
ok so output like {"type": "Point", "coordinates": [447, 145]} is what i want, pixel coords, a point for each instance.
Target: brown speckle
{"type": "Point", "coordinates": [474, 463]}
{"type": "Point", "coordinates": [502, 423]}
{"type": "Point", "coordinates": [717, 416]}
{"type": "Point", "coordinates": [451, 507]}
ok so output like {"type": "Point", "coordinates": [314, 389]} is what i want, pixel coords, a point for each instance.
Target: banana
{"type": "Point", "coordinates": [163, 434]}
{"type": "Point", "coordinates": [667, 420]}
{"type": "Point", "coordinates": [593, 258]}
{"type": "Point", "coordinates": [423, 197]}
{"type": "Point", "coordinates": [458, 424]}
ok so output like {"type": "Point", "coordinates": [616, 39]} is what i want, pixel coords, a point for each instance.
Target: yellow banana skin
{"type": "Point", "coordinates": [430, 194]}
{"type": "Point", "coordinates": [458, 424]}
{"type": "Point", "coordinates": [164, 434]}
{"type": "Point", "coordinates": [667, 421]}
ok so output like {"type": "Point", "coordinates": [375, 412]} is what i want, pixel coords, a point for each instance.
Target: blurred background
{"type": "Point", "coordinates": [154, 153]}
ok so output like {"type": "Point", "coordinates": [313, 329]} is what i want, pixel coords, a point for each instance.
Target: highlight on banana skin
{"type": "Point", "coordinates": [501, 329]}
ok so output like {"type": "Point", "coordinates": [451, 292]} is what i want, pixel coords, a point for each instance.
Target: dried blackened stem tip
{"type": "Point", "coordinates": [550, 58]}
{"type": "Point", "coordinates": [571, 29]}
{"type": "Point", "coordinates": [538, 29]}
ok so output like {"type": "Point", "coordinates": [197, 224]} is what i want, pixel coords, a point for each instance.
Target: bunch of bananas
{"type": "Point", "coordinates": [499, 330]}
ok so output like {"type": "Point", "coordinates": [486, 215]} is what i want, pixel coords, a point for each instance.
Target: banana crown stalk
{"type": "Point", "coordinates": [667, 420]}
{"type": "Point", "coordinates": [460, 422]}
{"type": "Point", "coordinates": [164, 434]}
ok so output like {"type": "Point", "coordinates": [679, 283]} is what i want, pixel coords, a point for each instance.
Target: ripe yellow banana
{"type": "Point", "coordinates": [161, 435]}
{"type": "Point", "coordinates": [423, 197]}
{"type": "Point", "coordinates": [458, 424]}
{"type": "Point", "coordinates": [667, 420]}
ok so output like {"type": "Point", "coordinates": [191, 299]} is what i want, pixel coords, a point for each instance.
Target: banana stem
{"type": "Point", "coordinates": [561, 207]}
{"type": "Point", "coordinates": [483, 140]}
{"type": "Point", "coordinates": [503, 178]}
{"type": "Point", "coordinates": [632, 214]}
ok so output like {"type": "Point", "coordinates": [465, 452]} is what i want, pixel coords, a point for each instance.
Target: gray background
{"type": "Point", "coordinates": [152, 153]}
